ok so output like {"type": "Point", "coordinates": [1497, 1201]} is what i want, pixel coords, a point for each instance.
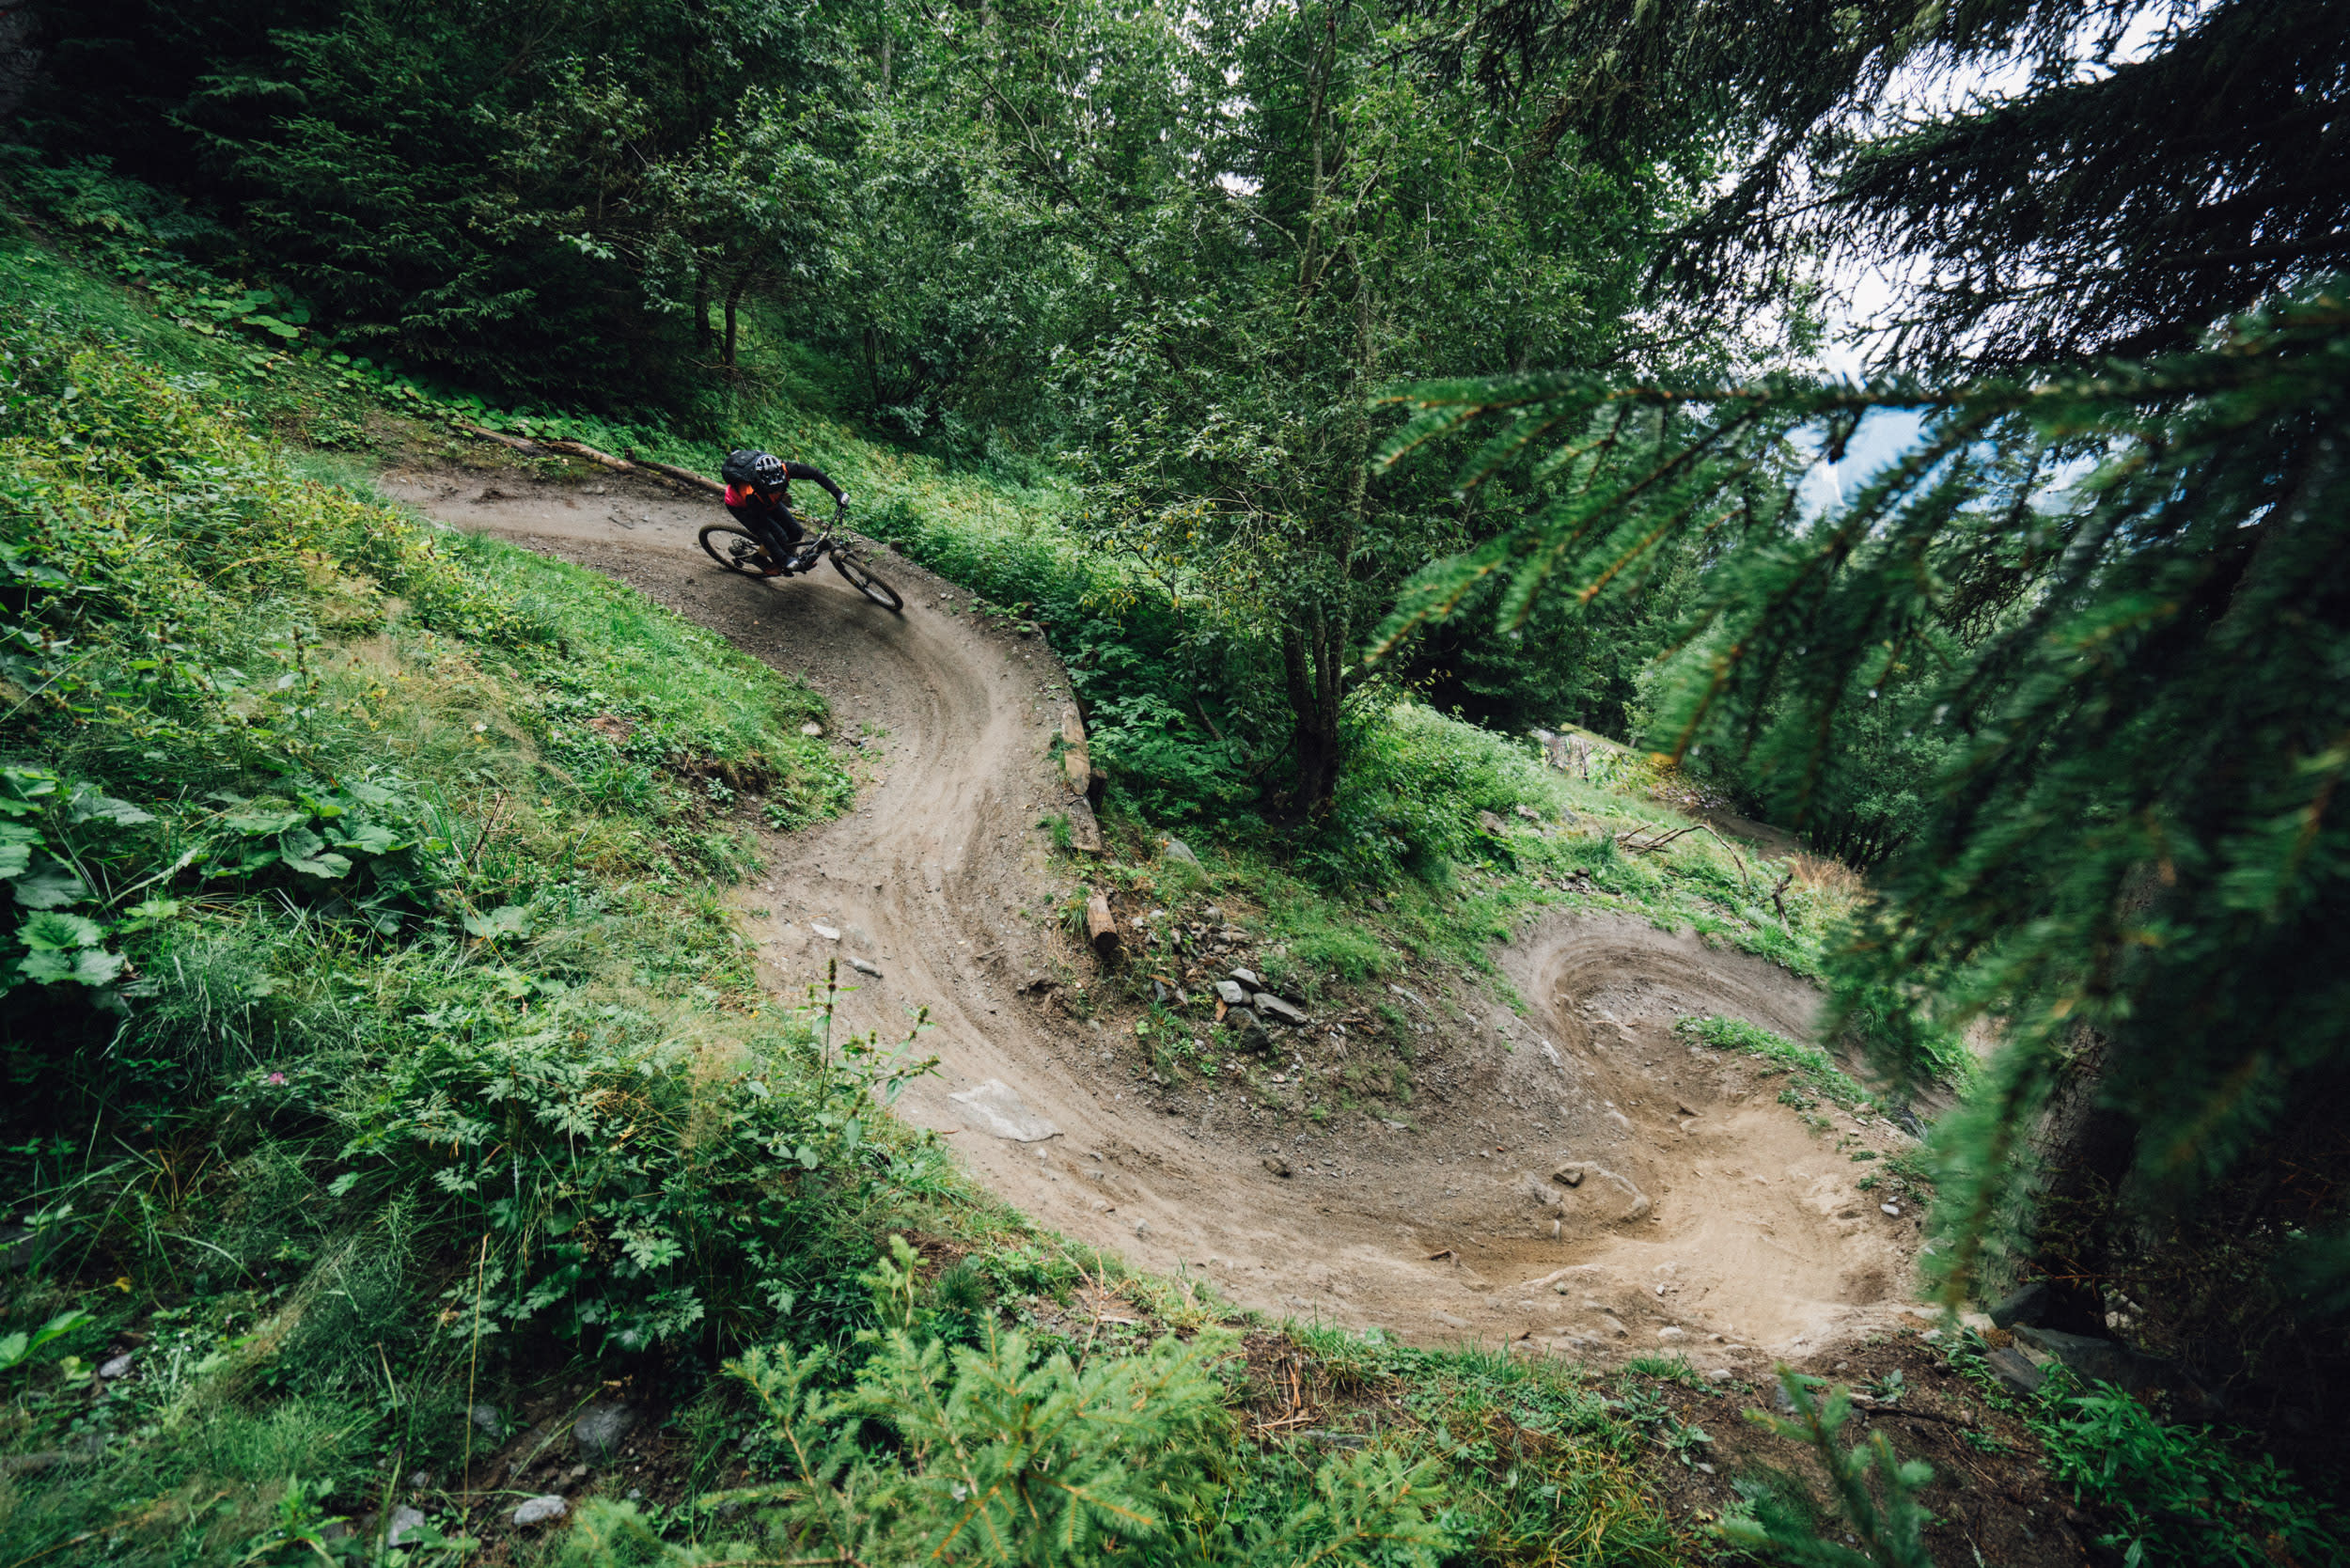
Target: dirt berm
{"type": "Point", "coordinates": [1707, 1218]}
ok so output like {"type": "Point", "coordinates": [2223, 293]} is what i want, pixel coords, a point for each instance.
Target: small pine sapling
{"type": "Point", "coordinates": [1782, 1526]}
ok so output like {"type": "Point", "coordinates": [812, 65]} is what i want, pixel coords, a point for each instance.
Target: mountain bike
{"type": "Point", "coordinates": [733, 546]}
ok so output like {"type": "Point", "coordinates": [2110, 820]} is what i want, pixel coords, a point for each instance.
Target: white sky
{"type": "Point", "coordinates": [1871, 290]}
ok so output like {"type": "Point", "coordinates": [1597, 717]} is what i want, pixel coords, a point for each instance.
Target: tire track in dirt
{"type": "Point", "coordinates": [942, 877]}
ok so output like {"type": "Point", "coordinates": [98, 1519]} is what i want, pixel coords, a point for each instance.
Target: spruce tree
{"type": "Point", "coordinates": [2102, 603]}
{"type": "Point", "coordinates": [2123, 597]}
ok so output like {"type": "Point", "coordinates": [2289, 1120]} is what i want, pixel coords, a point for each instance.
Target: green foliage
{"type": "Point", "coordinates": [1000, 1455]}
{"type": "Point", "coordinates": [18, 1347]}
{"type": "Point", "coordinates": [2177, 1494]}
{"type": "Point", "coordinates": [623, 1195]}
{"type": "Point", "coordinates": [1409, 798]}
{"type": "Point", "coordinates": [1776, 1519]}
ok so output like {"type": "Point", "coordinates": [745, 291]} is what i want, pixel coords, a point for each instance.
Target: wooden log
{"type": "Point", "coordinates": [516, 442]}
{"type": "Point", "coordinates": [1102, 926]}
{"type": "Point", "coordinates": [1085, 833]}
{"type": "Point", "coordinates": [581, 449]}
{"type": "Point", "coordinates": [683, 476]}
{"type": "Point", "coordinates": [1077, 766]}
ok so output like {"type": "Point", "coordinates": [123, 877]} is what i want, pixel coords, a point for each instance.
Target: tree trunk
{"type": "Point", "coordinates": [734, 298]}
{"type": "Point", "coordinates": [872, 363]}
{"type": "Point", "coordinates": [1309, 657]}
{"type": "Point", "coordinates": [703, 337]}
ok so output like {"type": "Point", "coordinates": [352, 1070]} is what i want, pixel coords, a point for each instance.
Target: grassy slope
{"type": "Point", "coordinates": [398, 894]}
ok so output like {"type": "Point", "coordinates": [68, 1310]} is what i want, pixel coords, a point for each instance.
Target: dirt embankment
{"type": "Point", "coordinates": [1707, 1216]}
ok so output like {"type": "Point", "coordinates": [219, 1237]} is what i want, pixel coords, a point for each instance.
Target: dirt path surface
{"type": "Point", "coordinates": [1707, 1217]}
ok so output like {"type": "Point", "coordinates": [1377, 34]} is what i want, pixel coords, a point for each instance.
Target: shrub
{"type": "Point", "coordinates": [2178, 1494]}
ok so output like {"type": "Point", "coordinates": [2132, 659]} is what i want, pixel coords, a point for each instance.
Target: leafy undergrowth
{"type": "Point", "coordinates": [370, 1014]}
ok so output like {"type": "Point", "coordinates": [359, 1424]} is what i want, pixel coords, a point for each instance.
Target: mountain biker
{"type": "Point", "coordinates": [758, 494]}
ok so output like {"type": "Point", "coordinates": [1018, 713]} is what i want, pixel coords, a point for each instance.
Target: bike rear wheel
{"type": "Point", "coordinates": [850, 563]}
{"type": "Point", "coordinates": [737, 551]}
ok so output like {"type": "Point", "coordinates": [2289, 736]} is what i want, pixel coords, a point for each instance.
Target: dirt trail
{"type": "Point", "coordinates": [1709, 1218]}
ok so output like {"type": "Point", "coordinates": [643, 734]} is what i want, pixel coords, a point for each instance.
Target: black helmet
{"type": "Point", "coordinates": [744, 466]}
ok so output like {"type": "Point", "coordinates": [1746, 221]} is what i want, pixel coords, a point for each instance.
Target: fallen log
{"type": "Point", "coordinates": [581, 449]}
{"type": "Point", "coordinates": [518, 442]}
{"type": "Point", "coordinates": [683, 476]}
{"type": "Point", "coordinates": [1102, 926]}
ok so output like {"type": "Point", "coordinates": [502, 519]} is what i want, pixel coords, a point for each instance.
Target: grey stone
{"type": "Point", "coordinates": [1528, 812]}
{"type": "Point", "coordinates": [864, 966]}
{"type": "Point", "coordinates": [1411, 996]}
{"type": "Point", "coordinates": [1243, 1020]}
{"type": "Point", "coordinates": [1271, 1006]}
{"type": "Point", "coordinates": [1142, 1226]}
{"type": "Point", "coordinates": [118, 1366]}
{"type": "Point", "coordinates": [994, 1108]}
{"type": "Point", "coordinates": [405, 1522]}
{"type": "Point", "coordinates": [2013, 1370]}
{"type": "Point", "coordinates": [1637, 1202]}
{"type": "Point", "coordinates": [1231, 992]}
{"type": "Point", "coordinates": [2094, 1361]}
{"type": "Point", "coordinates": [1248, 978]}
{"type": "Point", "coordinates": [601, 1429]}
{"type": "Point", "coordinates": [539, 1511]}
{"type": "Point", "coordinates": [829, 934]}
{"type": "Point", "coordinates": [2028, 1305]}
{"type": "Point", "coordinates": [489, 1422]}
{"type": "Point", "coordinates": [1175, 849]}
{"type": "Point", "coordinates": [1892, 1209]}
{"type": "Point", "coordinates": [1671, 1334]}
{"type": "Point", "coordinates": [1613, 1325]}
{"type": "Point", "coordinates": [1276, 1164]}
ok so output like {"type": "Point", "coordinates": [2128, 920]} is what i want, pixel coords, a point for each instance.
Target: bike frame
{"type": "Point", "coordinates": [823, 542]}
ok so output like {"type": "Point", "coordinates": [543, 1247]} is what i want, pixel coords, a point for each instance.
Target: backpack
{"type": "Point", "coordinates": [737, 470]}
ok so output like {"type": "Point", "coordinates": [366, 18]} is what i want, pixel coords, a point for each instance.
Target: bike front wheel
{"type": "Point", "coordinates": [850, 563]}
{"type": "Point", "coordinates": [737, 551]}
